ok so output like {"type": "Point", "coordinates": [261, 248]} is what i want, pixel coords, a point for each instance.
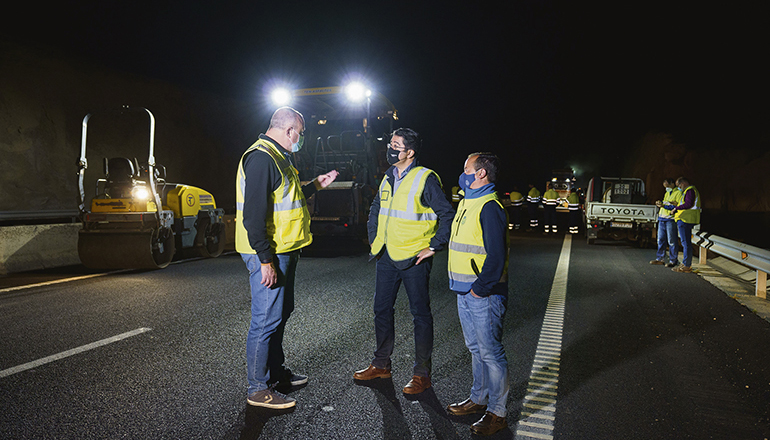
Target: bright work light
{"type": "Point", "coordinates": [281, 97]}
{"type": "Point", "coordinates": [356, 92]}
{"type": "Point", "coordinates": [140, 193]}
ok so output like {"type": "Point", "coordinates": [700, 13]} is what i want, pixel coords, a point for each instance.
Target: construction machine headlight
{"type": "Point", "coordinates": [140, 193]}
{"type": "Point", "coordinates": [281, 97]}
{"type": "Point", "coordinates": [356, 92]}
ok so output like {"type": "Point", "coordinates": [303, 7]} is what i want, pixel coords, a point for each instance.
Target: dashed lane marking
{"type": "Point", "coordinates": [539, 407]}
{"type": "Point", "coordinates": [74, 351]}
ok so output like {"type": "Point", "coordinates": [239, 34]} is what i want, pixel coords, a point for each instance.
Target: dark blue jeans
{"type": "Point", "coordinates": [415, 280]}
{"type": "Point", "coordinates": [667, 235]}
{"type": "Point", "coordinates": [685, 236]}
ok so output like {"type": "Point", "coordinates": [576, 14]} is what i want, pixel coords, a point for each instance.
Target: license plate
{"type": "Point", "coordinates": [621, 225]}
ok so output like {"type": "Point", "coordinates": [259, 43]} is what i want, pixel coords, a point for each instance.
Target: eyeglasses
{"type": "Point", "coordinates": [397, 149]}
{"type": "Point", "coordinates": [301, 133]}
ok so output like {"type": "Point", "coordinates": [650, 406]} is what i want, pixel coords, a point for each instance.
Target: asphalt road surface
{"type": "Point", "coordinates": [600, 345]}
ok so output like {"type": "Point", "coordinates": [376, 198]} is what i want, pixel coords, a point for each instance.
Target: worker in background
{"type": "Point", "coordinates": [573, 206]}
{"type": "Point", "coordinates": [478, 273]}
{"type": "Point", "coordinates": [456, 196]}
{"type": "Point", "coordinates": [667, 230]}
{"type": "Point", "coordinates": [550, 202]}
{"type": "Point", "coordinates": [687, 215]}
{"type": "Point", "coordinates": [517, 200]}
{"type": "Point", "coordinates": [533, 199]}
{"type": "Point", "coordinates": [409, 221]}
{"type": "Point", "coordinates": [272, 225]}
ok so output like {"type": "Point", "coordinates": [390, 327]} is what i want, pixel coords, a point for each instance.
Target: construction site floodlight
{"type": "Point", "coordinates": [281, 97]}
{"type": "Point", "coordinates": [357, 92]}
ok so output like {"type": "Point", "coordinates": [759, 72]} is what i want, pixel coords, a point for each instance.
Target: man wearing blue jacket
{"type": "Point", "coordinates": [478, 273]}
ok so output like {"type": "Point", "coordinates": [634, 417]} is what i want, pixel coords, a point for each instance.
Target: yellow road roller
{"type": "Point", "coordinates": [137, 220]}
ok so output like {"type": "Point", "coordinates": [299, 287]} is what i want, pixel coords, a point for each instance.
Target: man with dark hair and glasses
{"type": "Point", "coordinates": [409, 221]}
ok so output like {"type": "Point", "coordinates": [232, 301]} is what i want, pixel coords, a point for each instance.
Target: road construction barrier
{"type": "Point", "coordinates": [744, 254]}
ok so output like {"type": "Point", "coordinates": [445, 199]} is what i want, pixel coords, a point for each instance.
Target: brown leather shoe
{"type": "Point", "coordinates": [466, 407]}
{"type": "Point", "coordinates": [417, 385]}
{"type": "Point", "coordinates": [371, 372]}
{"type": "Point", "coordinates": [489, 424]}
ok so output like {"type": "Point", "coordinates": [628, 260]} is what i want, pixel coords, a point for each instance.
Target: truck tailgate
{"type": "Point", "coordinates": [621, 212]}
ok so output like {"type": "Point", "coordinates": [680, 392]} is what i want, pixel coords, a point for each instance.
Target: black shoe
{"type": "Point", "coordinates": [672, 264]}
{"type": "Point", "coordinates": [289, 380]}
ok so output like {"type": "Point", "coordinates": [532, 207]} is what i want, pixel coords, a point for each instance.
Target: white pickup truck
{"type": "Point", "coordinates": [615, 209]}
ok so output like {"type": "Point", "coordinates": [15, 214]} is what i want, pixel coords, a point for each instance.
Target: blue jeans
{"type": "Point", "coordinates": [482, 321]}
{"type": "Point", "coordinates": [270, 309]}
{"type": "Point", "coordinates": [667, 235]}
{"type": "Point", "coordinates": [685, 235]}
{"type": "Point", "coordinates": [416, 280]}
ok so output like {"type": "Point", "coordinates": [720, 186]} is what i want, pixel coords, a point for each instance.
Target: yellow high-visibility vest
{"type": "Point", "coordinates": [466, 245]}
{"type": "Point", "coordinates": [692, 215]}
{"type": "Point", "coordinates": [288, 228]}
{"type": "Point", "coordinates": [551, 198]}
{"type": "Point", "coordinates": [673, 197]}
{"type": "Point", "coordinates": [534, 195]}
{"type": "Point", "coordinates": [573, 201]}
{"type": "Point", "coordinates": [404, 225]}
{"type": "Point", "coordinates": [517, 198]}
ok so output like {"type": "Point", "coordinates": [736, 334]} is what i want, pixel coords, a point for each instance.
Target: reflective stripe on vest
{"type": "Point", "coordinates": [517, 198]}
{"type": "Point", "coordinates": [573, 202]}
{"type": "Point", "coordinates": [691, 215]}
{"type": "Point", "coordinates": [551, 198]}
{"type": "Point", "coordinates": [404, 225]}
{"type": "Point", "coordinates": [533, 196]}
{"type": "Point", "coordinates": [466, 255]}
{"type": "Point", "coordinates": [288, 228]}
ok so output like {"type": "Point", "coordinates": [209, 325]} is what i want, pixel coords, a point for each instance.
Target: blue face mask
{"type": "Point", "coordinates": [668, 190]}
{"type": "Point", "coordinates": [466, 180]}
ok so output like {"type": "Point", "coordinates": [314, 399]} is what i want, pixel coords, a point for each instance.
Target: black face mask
{"type": "Point", "coordinates": [392, 156]}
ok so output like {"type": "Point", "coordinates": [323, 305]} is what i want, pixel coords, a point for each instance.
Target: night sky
{"type": "Point", "coordinates": [543, 84]}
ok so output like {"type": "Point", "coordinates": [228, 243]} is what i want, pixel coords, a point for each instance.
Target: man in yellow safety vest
{"type": "Point", "coordinates": [478, 274]}
{"type": "Point", "coordinates": [687, 215]}
{"type": "Point", "coordinates": [573, 205]}
{"type": "Point", "coordinates": [409, 221]}
{"type": "Point", "coordinates": [667, 230]}
{"type": "Point", "coordinates": [272, 225]}
{"type": "Point", "coordinates": [517, 200]}
{"type": "Point", "coordinates": [550, 202]}
{"type": "Point", "coordinates": [533, 200]}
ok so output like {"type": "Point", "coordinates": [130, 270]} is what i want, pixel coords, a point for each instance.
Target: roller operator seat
{"type": "Point", "coordinates": [120, 177]}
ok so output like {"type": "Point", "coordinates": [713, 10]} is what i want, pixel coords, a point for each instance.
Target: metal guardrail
{"type": "Point", "coordinates": [747, 255]}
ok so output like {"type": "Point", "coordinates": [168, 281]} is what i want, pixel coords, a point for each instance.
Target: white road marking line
{"type": "Point", "coordinates": [539, 422]}
{"type": "Point", "coordinates": [538, 415]}
{"type": "Point", "coordinates": [533, 435]}
{"type": "Point", "coordinates": [63, 280]}
{"type": "Point", "coordinates": [74, 351]}
{"type": "Point", "coordinates": [85, 277]}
